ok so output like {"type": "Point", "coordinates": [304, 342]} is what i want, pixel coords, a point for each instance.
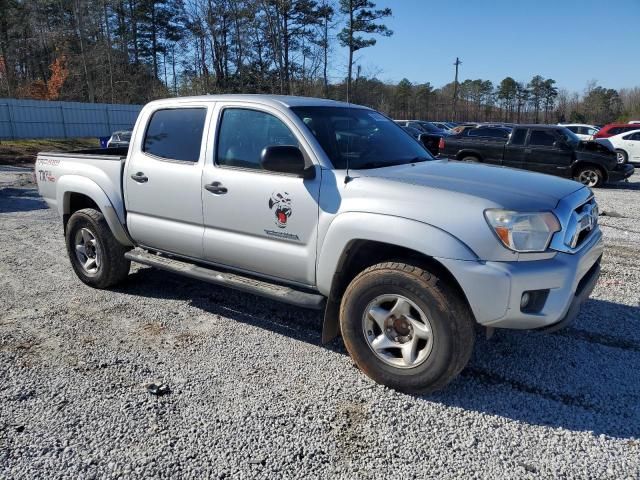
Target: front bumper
{"type": "Point", "coordinates": [494, 289]}
{"type": "Point", "coordinates": [621, 172]}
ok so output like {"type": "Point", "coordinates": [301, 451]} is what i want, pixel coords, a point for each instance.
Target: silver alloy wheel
{"type": "Point", "coordinates": [87, 251]}
{"type": "Point", "coordinates": [589, 177]}
{"type": "Point", "coordinates": [620, 157]}
{"type": "Point", "coordinates": [397, 331]}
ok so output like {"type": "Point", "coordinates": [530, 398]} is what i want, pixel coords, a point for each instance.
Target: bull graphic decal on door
{"type": "Point", "coordinates": [280, 204]}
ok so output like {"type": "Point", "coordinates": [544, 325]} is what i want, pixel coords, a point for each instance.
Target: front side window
{"type": "Point", "coordinates": [175, 134]}
{"type": "Point", "coordinates": [360, 138]}
{"type": "Point", "coordinates": [542, 138]}
{"type": "Point", "coordinates": [244, 133]}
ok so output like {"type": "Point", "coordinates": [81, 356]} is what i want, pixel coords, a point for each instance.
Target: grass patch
{"type": "Point", "coordinates": [23, 152]}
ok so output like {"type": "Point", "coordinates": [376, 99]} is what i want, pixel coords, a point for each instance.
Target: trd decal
{"type": "Point", "coordinates": [280, 205]}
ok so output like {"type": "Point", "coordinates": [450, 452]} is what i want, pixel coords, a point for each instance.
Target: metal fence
{"type": "Point", "coordinates": [43, 119]}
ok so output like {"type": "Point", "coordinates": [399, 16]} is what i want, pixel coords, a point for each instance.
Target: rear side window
{"type": "Point", "coordinates": [245, 133]}
{"type": "Point", "coordinates": [575, 129]}
{"type": "Point", "coordinates": [518, 136]}
{"type": "Point", "coordinates": [614, 131]}
{"type": "Point", "coordinates": [175, 134]}
{"type": "Point", "coordinates": [488, 132]}
{"type": "Point", "coordinates": [542, 138]}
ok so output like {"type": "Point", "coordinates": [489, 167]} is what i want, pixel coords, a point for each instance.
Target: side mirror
{"type": "Point", "coordinates": [285, 159]}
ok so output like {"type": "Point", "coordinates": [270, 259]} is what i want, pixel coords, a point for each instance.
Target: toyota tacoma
{"type": "Point", "coordinates": [332, 206]}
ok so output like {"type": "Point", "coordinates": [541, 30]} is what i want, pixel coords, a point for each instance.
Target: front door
{"type": "Point", "coordinates": [258, 221]}
{"type": "Point", "coordinates": [162, 182]}
{"type": "Point", "coordinates": [545, 155]}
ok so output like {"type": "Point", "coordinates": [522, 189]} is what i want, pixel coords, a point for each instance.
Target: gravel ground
{"type": "Point", "coordinates": [254, 395]}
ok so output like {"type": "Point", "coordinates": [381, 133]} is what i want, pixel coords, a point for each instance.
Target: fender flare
{"type": "Point", "coordinates": [402, 232]}
{"type": "Point", "coordinates": [69, 184]}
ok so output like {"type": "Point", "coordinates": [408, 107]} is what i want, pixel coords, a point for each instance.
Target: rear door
{"type": "Point", "coordinates": [513, 155]}
{"type": "Point", "coordinates": [490, 143]}
{"type": "Point", "coordinates": [543, 154]}
{"type": "Point", "coordinates": [163, 181]}
{"type": "Point", "coordinates": [631, 144]}
{"type": "Point", "coordinates": [258, 221]}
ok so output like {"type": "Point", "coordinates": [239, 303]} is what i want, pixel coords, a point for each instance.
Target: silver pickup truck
{"type": "Point", "coordinates": [329, 205]}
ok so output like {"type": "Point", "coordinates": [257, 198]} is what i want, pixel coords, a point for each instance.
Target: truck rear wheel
{"type": "Point", "coordinates": [96, 256]}
{"type": "Point", "coordinates": [405, 328]}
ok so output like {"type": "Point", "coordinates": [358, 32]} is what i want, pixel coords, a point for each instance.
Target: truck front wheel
{"type": "Point", "coordinates": [590, 176]}
{"type": "Point", "coordinates": [95, 255]}
{"type": "Point", "coordinates": [405, 328]}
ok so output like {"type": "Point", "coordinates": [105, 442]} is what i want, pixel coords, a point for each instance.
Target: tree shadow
{"type": "Point", "coordinates": [20, 200]}
{"type": "Point", "coordinates": [574, 379]}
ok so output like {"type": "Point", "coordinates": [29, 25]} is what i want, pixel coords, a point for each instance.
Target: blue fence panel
{"type": "Point", "coordinates": [43, 119]}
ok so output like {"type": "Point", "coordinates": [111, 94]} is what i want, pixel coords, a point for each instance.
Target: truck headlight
{"type": "Point", "coordinates": [523, 231]}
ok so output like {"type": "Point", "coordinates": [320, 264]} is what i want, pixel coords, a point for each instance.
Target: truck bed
{"type": "Point", "coordinates": [103, 167]}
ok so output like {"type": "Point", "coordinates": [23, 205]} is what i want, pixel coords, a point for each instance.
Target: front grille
{"type": "Point", "coordinates": [582, 223]}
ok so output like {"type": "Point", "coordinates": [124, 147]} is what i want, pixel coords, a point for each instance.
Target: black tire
{"type": "Point", "coordinates": [113, 268]}
{"type": "Point", "coordinates": [451, 323]}
{"type": "Point", "coordinates": [470, 159]}
{"type": "Point", "coordinates": [622, 154]}
{"type": "Point", "coordinates": [589, 175]}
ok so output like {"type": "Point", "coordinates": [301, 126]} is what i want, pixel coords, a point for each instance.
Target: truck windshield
{"type": "Point", "coordinates": [361, 138]}
{"type": "Point", "coordinates": [571, 138]}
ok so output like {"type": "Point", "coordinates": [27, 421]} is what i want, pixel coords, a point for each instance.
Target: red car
{"type": "Point", "coordinates": [612, 129]}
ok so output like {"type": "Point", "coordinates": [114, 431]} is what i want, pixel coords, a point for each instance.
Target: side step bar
{"type": "Point", "coordinates": [246, 284]}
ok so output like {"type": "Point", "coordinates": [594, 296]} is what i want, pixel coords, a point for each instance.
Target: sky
{"type": "Point", "coordinates": [571, 41]}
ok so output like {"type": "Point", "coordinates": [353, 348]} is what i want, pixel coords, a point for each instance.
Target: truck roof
{"type": "Point", "coordinates": [538, 125]}
{"type": "Point", "coordinates": [273, 100]}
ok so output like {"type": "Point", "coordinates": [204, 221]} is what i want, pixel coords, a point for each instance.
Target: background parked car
{"type": "Point", "coordinates": [119, 139]}
{"type": "Point", "coordinates": [582, 130]}
{"type": "Point", "coordinates": [462, 127]}
{"type": "Point", "coordinates": [429, 140]}
{"type": "Point", "coordinates": [626, 145]}
{"type": "Point", "coordinates": [422, 125]}
{"type": "Point", "coordinates": [612, 129]}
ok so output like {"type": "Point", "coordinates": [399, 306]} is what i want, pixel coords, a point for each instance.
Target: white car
{"type": "Point", "coordinates": [626, 146]}
{"type": "Point", "coordinates": [582, 130]}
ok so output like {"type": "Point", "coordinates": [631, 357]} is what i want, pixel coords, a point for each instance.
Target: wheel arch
{"type": "Point", "coordinates": [469, 153]}
{"type": "Point", "coordinates": [75, 192]}
{"type": "Point", "coordinates": [342, 258]}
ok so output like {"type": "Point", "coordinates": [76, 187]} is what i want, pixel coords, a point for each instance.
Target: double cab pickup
{"type": "Point", "coordinates": [550, 149]}
{"type": "Point", "coordinates": [332, 206]}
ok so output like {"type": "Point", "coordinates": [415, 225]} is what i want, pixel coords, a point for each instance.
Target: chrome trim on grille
{"type": "Point", "coordinates": [577, 213]}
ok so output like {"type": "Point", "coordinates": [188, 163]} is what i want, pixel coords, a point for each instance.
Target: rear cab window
{"type": "Point", "coordinates": [518, 136]}
{"type": "Point", "coordinates": [175, 134]}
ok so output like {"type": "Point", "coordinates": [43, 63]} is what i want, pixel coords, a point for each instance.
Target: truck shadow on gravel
{"type": "Point", "coordinates": [575, 379]}
{"type": "Point", "coordinates": [20, 200]}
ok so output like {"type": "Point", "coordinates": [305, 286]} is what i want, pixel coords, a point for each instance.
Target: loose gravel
{"type": "Point", "coordinates": [250, 392]}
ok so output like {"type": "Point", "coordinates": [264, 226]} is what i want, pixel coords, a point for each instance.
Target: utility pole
{"type": "Point", "coordinates": [455, 89]}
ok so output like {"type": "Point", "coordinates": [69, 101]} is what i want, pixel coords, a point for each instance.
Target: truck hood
{"type": "Point", "coordinates": [452, 197]}
{"type": "Point", "coordinates": [498, 186]}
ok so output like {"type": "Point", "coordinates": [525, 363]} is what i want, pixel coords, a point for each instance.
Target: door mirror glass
{"type": "Point", "coordinates": [284, 159]}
